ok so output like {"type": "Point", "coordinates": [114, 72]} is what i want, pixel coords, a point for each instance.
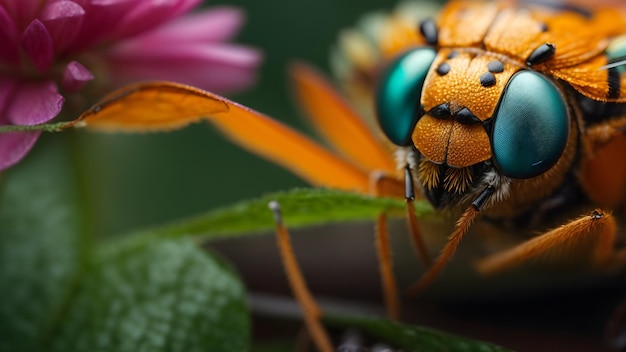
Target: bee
{"type": "Point", "coordinates": [506, 116]}
{"type": "Point", "coordinates": [520, 115]}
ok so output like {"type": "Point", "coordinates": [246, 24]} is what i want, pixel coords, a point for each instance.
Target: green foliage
{"type": "Point", "coordinates": [155, 290]}
{"type": "Point", "coordinates": [61, 291]}
{"type": "Point", "coordinates": [300, 208]}
{"type": "Point", "coordinates": [161, 296]}
{"type": "Point", "coordinates": [412, 338]}
{"type": "Point", "coordinates": [40, 246]}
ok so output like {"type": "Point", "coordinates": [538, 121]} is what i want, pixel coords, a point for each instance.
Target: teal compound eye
{"type": "Point", "coordinates": [399, 91]}
{"type": "Point", "coordinates": [531, 126]}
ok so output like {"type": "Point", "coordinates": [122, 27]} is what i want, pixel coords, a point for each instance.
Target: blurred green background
{"type": "Point", "coordinates": [139, 180]}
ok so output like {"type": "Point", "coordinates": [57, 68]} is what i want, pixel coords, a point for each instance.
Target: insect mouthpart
{"type": "Point", "coordinates": [446, 186]}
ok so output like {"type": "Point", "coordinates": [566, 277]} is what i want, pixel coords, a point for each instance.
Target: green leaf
{"type": "Point", "coordinates": [40, 246]}
{"type": "Point", "coordinates": [62, 291]}
{"type": "Point", "coordinates": [300, 208]}
{"type": "Point", "coordinates": [156, 296]}
{"type": "Point", "coordinates": [412, 338]}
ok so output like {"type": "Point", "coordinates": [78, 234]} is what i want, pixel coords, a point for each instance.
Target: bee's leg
{"type": "Point", "coordinates": [311, 310]}
{"type": "Point", "coordinates": [385, 260]}
{"type": "Point", "coordinates": [386, 185]}
{"type": "Point", "coordinates": [596, 232]}
{"type": "Point", "coordinates": [447, 252]}
{"type": "Point", "coordinates": [462, 226]}
{"type": "Point", "coordinates": [381, 185]}
{"type": "Point", "coordinates": [416, 236]}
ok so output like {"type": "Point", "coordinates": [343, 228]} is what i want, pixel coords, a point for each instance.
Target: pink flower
{"type": "Point", "coordinates": [52, 48]}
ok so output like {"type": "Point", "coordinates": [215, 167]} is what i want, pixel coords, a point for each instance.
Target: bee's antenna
{"type": "Point", "coordinates": [416, 236]}
{"type": "Point", "coordinates": [617, 62]}
{"type": "Point", "coordinates": [482, 198]}
{"type": "Point", "coordinates": [409, 192]}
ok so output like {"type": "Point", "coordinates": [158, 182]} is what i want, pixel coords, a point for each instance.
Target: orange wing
{"type": "Point", "coordinates": [158, 106]}
{"type": "Point", "coordinates": [465, 23]}
{"type": "Point", "coordinates": [337, 122]}
{"type": "Point", "coordinates": [580, 42]}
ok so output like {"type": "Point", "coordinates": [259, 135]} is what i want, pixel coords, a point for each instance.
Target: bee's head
{"type": "Point", "coordinates": [474, 119]}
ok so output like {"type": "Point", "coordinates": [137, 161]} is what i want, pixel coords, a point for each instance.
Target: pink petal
{"type": "Point", "coordinates": [185, 6]}
{"type": "Point", "coordinates": [9, 50]}
{"type": "Point", "coordinates": [148, 14]}
{"type": "Point", "coordinates": [22, 12]}
{"type": "Point", "coordinates": [64, 20]}
{"type": "Point", "coordinates": [37, 43]}
{"type": "Point", "coordinates": [34, 103]}
{"type": "Point", "coordinates": [7, 91]}
{"type": "Point", "coordinates": [100, 17]}
{"type": "Point", "coordinates": [218, 24]}
{"type": "Point", "coordinates": [218, 68]}
{"type": "Point", "coordinates": [111, 20]}
{"type": "Point", "coordinates": [14, 146]}
{"type": "Point", "coordinates": [75, 76]}
{"type": "Point", "coordinates": [182, 7]}
{"type": "Point", "coordinates": [181, 53]}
